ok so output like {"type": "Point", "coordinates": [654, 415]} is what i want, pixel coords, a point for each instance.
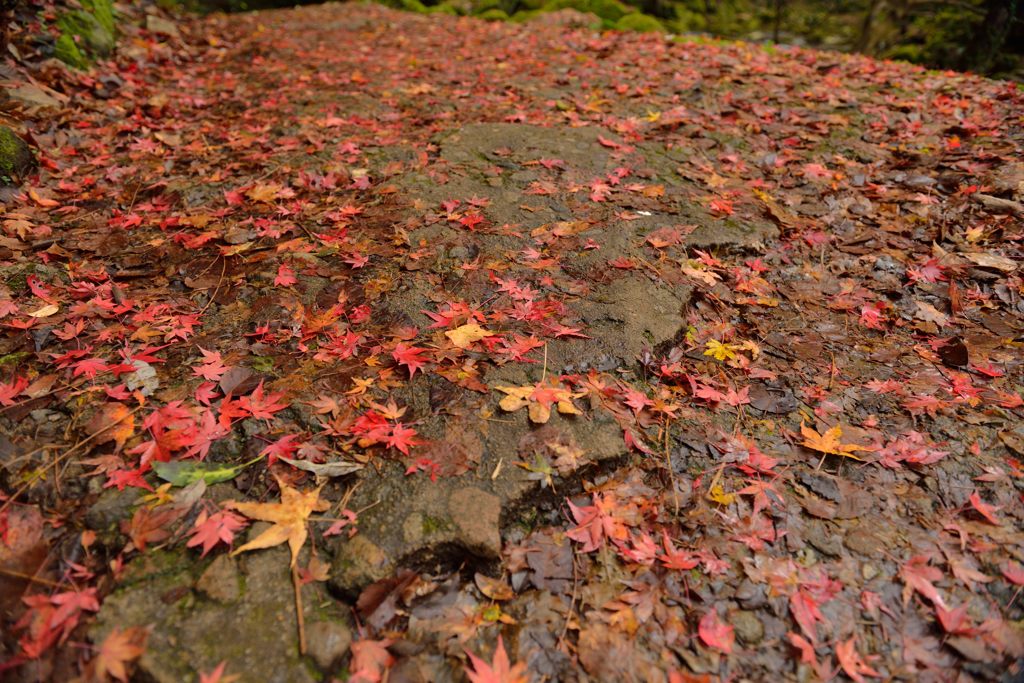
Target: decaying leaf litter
{"type": "Point", "coordinates": [293, 277]}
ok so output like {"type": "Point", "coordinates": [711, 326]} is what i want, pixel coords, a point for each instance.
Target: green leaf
{"type": "Point", "coordinates": [184, 473]}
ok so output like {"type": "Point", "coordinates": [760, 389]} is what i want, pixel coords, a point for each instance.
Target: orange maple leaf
{"type": "Point", "coordinates": [116, 651]}
{"type": "Point", "coordinates": [829, 442]}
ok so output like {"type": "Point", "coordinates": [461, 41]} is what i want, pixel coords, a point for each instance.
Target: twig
{"type": "Point", "coordinates": [24, 487]}
{"type": "Point", "coordinates": [216, 290]}
{"type": "Point", "coordinates": [668, 463]}
{"type": "Point", "coordinates": [298, 609]}
{"type": "Point", "coordinates": [572, 602]}
{"type": "Point", "coordinates": [29, 577]}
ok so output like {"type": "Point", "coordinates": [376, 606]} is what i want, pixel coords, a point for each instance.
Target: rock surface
{"type": "Point", "coordinates": [239, 610]}
{"type": "Point", "coordinates": [16, 158]}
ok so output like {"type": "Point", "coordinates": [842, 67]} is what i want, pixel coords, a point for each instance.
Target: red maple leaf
{"type": "Point", "coordinates": [674, 559]}
{"type": "Point", "coordinates": [285, 276]}
{"type": "Point", "coordinates": [285, 446]}
{"type": "Point", "coordinates": [805, 610]}
{"type": "Point", "coordinates": [954, 621]}
{"type": "Point", "coordinates": [11, 389]}
{"type": "Point", "coordinates": [500, 670]}
{"type": "Point", "coordinates": [212, 366]}
{"type": "Point", "coordinates": [918, 576]}
{"type": "Point", "coordinates": [1014, 572]}
{"type": "Point", "coordinates": [715, 633]}
{"type": "Point", "coordinates": [209, 530]}
{"type": "Point", "coordinates": [90, 367]}
{"type": "Point", "coordinates": [401, 437]}
{"type": "Point", "coordinates": [851, 661]}
{"type": "Point", "coordinates": [984, 509]}
{"type": "Point", "coordinates": [370, 660]}
{"type": "Point", "coordinates": [262, 406]}
{"type": "Point", "coordinates": [597, 523]}
{"type": "Point", "coordinates": [637, 400]}
{"type": "Point", "coordinates": [202, 437]}
{"type": "Point", "coordinates": [409, 356]}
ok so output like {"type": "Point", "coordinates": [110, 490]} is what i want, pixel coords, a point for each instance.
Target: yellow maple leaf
{"type": "Point", "coordinates": [289, 517]}
{"type": "Point", "coordinates": [539, 398]}
{"type": "Point", "coordinates": [263, 193]}
{"type": "Point", "coordinates": [829, 442]}
{"type": "Point", "coordinates": [718, 494]}
{"type": "Point", "coordinates": [718, 350]}
{"type": "Point", "coordinates": [465, 335]}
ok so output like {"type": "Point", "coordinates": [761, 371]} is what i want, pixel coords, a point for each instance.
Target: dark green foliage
{"type": "Point", "coordinates": [981, 35]}
{"type": "Point", "coordinates": [609, 10]}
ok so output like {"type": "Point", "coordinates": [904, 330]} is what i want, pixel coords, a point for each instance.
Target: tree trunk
{"type": "Point", "coordinates": [990, 35]}
{"type": "Point", "coordinates": [864, 40]}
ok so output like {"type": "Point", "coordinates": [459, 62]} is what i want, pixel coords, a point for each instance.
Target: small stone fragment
{"type": "Point", "coordinates": [748, 627]}
{"type": "Point", "coordinates": [327, 642]}
{"type": "Point", "coordinates": [358, 563]}
{"type": "Point", "coordinates": [476, 514]}
{"type": "Point", "coordinates": [220, 581]}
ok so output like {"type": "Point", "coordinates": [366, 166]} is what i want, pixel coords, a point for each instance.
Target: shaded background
{"type": "Point", "coordinates": [986, 36]}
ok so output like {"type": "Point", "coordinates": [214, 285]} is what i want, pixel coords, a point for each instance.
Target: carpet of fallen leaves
{"type": "Point", "coordinates": [821, 473]}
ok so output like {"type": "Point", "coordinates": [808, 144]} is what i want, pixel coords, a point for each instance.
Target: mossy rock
{"type": "Point", "coordinates": [494, 15]}
{"type": "Point", "coordinates": [103, 11]}
{"type": "Point", "coordinates": [96, 38]}
{"type": "Point", "coordinates": [66, 50]}
{"type": "Point", "coordinates": [16, 159]}
{"type": "Point", "coordinates": [86, 33]}
{"type": "Point", "coordinates": [640, 23]}
{"type": "Point", "coordinates": [608, 10]}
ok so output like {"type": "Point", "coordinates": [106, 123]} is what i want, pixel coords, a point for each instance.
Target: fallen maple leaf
{"type": "Point", "coordinates": [918, 576]}
{"type": "Point", "coordinates": [409, 356]}
{"type": "Point", "coordinates": [718, 350]}
{"type": "Point", "coordinates": [597, 522]}
{"type": "Point", "coordinates": [539, 397]}
{"type": "Point", "coordinates": [715, 633]}
{"type": "Point", "coordinates": [851, 661]}
{"type": "Point", "coordinates": [804, 609]}
{"type": "Point", "coordinates": [1014, 572]}
{"type": "Point", "coordinates": [954, 621]}
{"type": "Point", "coordinates": [285, 276]}
{"type": "Point", "coordinates": [986, 510]}
{"type": "Point", "coordinates": [116, 651]}
{"type": "Point", "coordinates": [217, 675]}
{"type": "Point", "coordinates": [501, 670]}
{"type": "Point", "coordinates": [289, 518]}
{"type": "Point", "coordinates": [464, 336]}
{"type": "Point", "coordinates": [829, 442]}
{"type": "Point", "coordinates": [114, 422]}
{"type": "Point", "coordinates": [370, 660]}
{"type": "Point", "coordinates": [209, 530]}
{"type": "Point", "coordinates": [212, 366]}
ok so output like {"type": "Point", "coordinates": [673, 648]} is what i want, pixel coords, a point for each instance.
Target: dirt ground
{"type": "Point", "coordinates": [662, 359]}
